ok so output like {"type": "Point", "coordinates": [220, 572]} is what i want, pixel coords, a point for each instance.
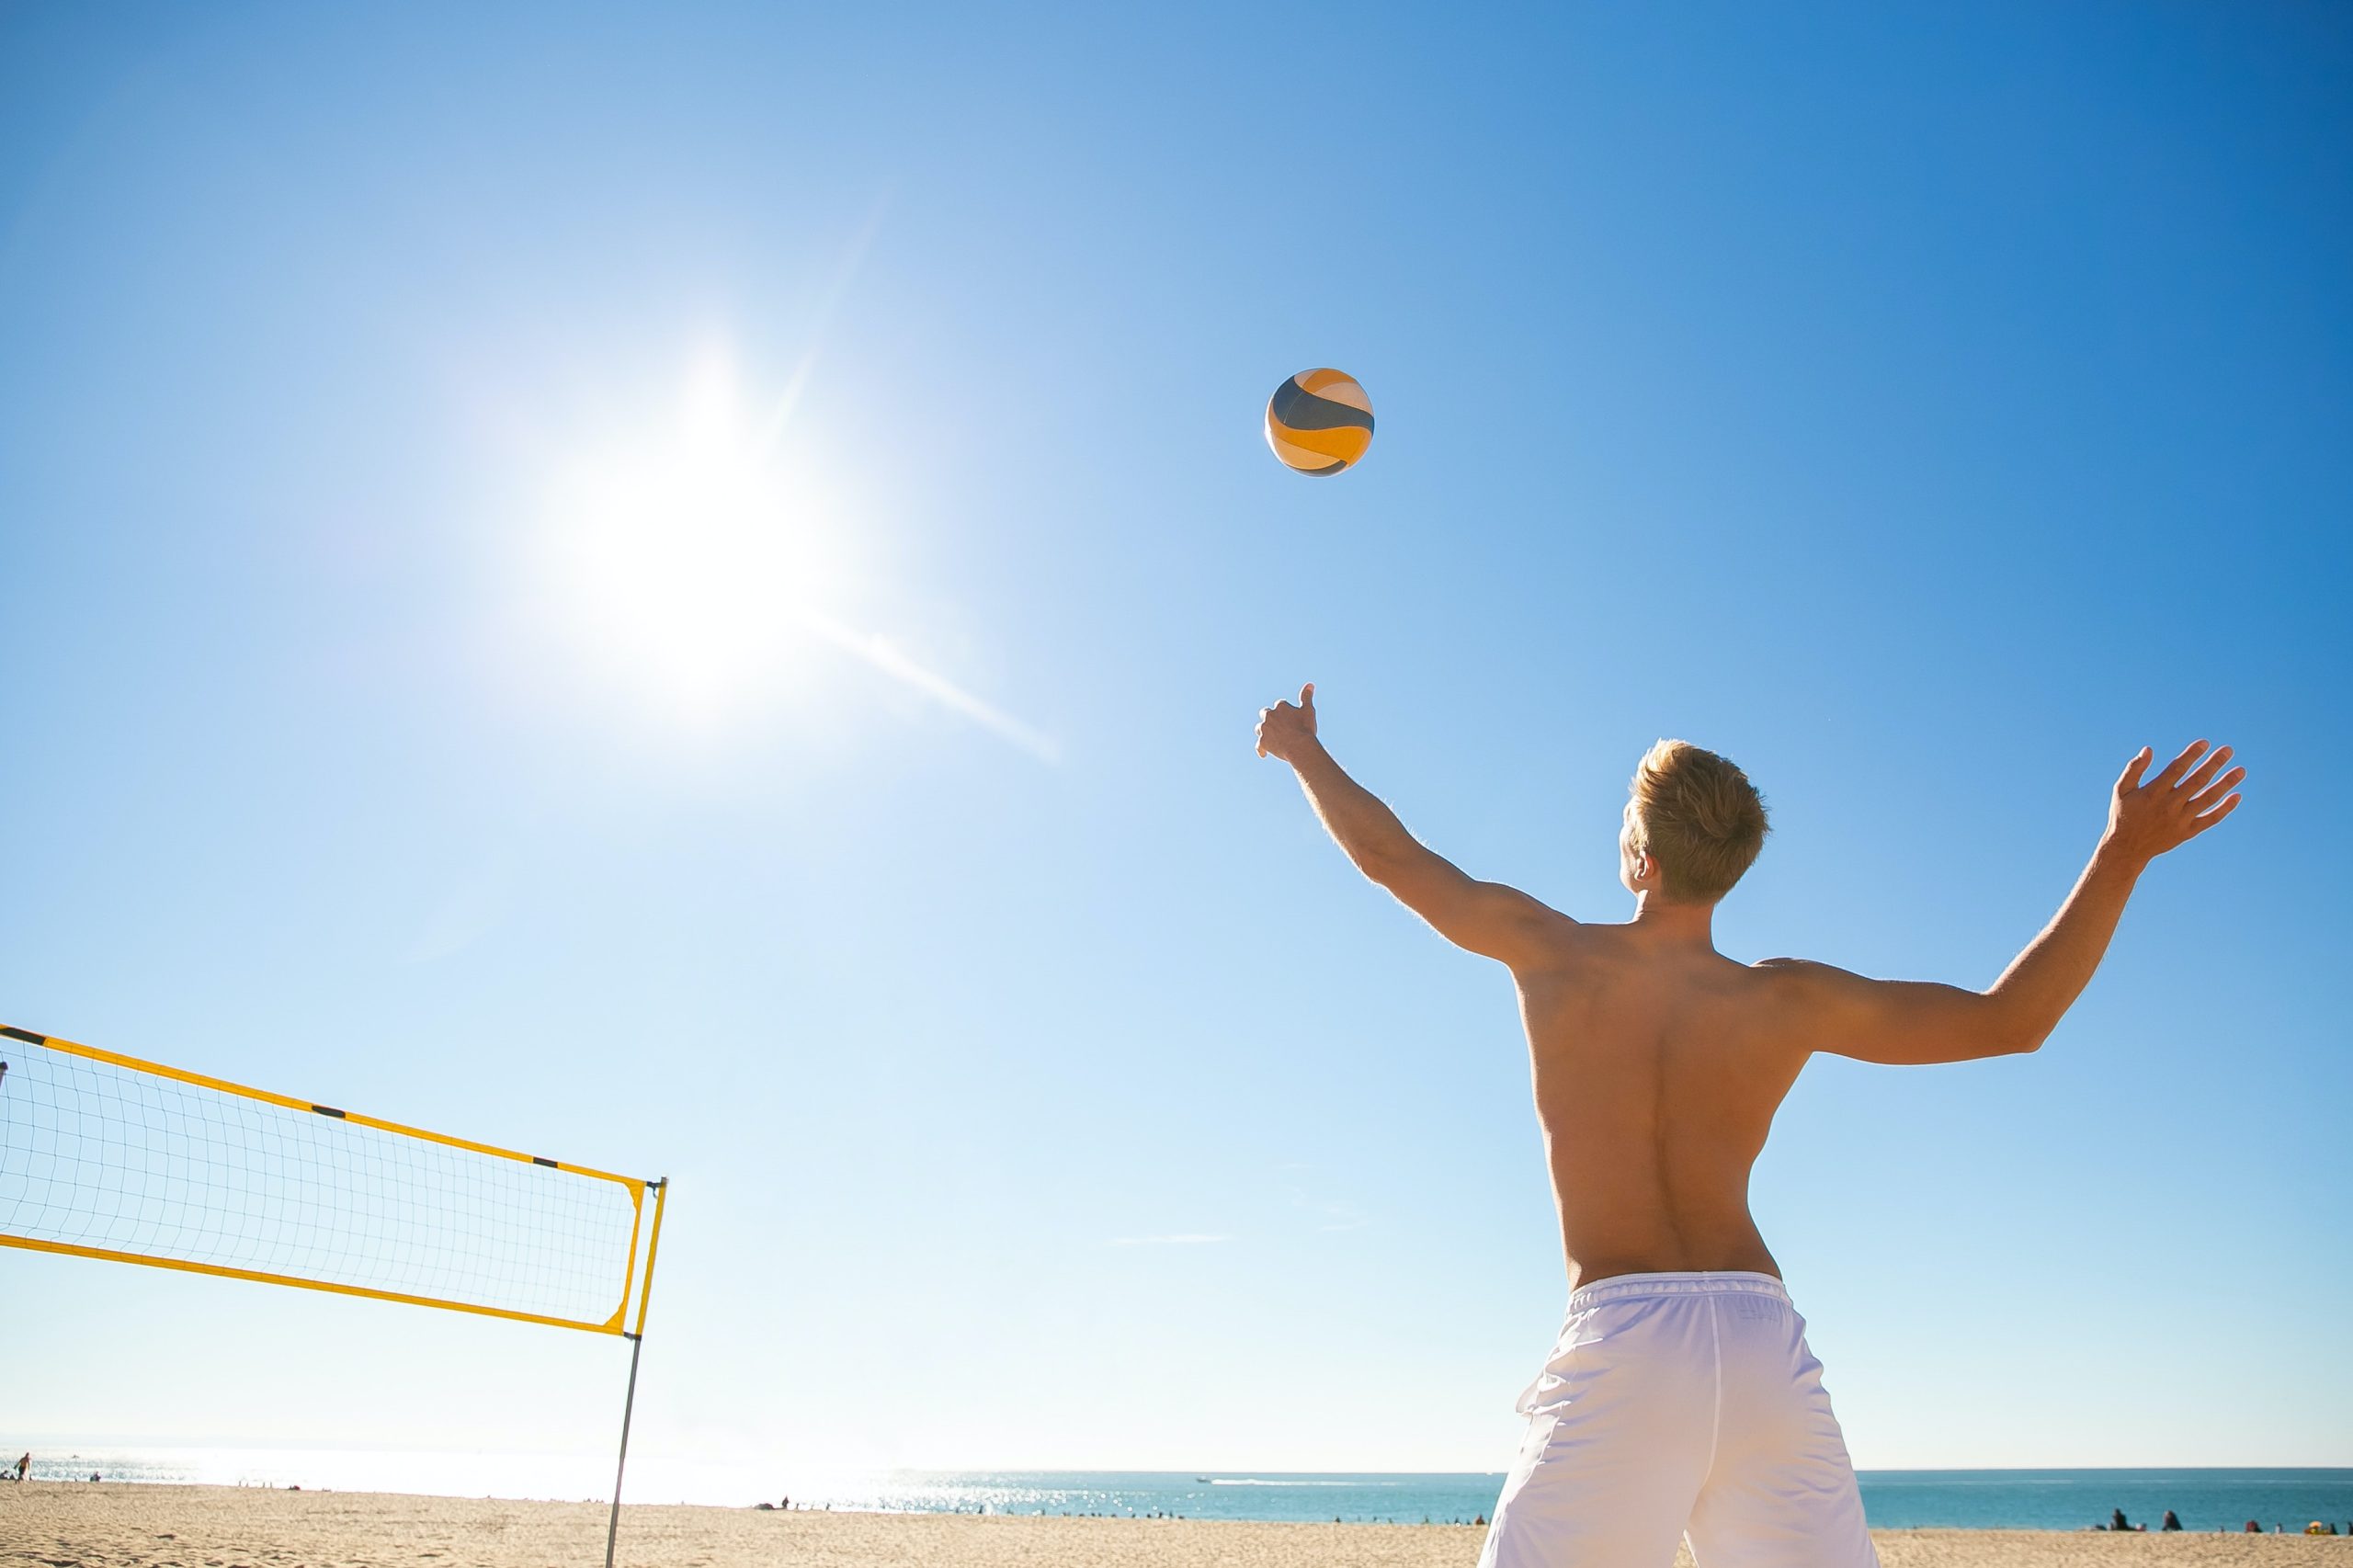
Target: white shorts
{"type": "Point", "coordinates": [1680, 1404]}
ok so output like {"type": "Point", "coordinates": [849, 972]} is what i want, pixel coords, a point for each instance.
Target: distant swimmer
{"type": "Point", "coordinates": [1681, 1400]}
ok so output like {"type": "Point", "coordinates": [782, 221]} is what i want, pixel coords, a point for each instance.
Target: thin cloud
{"type": "Point", "coordinates": [1337, 1214]}
{"type": "Point", "coordinates": [1186, 1240]}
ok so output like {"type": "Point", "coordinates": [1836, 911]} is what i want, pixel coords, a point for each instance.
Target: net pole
{"type": "Point", "coordinates": [636, 1348]}
{"type": "Point", "coordinates": [613, 1528]}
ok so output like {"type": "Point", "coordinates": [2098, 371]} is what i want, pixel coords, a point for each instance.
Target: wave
{"type": "Point", "coordinates": [1259, 1483]}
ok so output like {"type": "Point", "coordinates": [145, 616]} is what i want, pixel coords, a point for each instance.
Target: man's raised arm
{"type": "Point", "coordinates": [1909, 1022]}
{"type": "Point", "coordinates": [1488, 918]}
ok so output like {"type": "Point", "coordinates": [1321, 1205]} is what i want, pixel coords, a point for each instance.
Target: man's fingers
{"type": "Point", "coordinates": [2180, 764]}
{"type": "Point", "coordinates": [2206, 770]}
{"type": "Point", "coordinates": [2199, 825]}
{"type": "Point", "coordinates": [2130, 778]}
{"type": "Point", "coordinates": [2212, 792]}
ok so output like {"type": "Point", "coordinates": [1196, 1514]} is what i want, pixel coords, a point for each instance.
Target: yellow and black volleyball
{"type": "Point", "coordinates": [1319, 422]}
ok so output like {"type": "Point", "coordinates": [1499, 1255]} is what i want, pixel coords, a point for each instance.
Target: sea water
{"type": "Point", "coordinates": [2069, 1499]}
{"type": "Point", "coordinates": [1966, 1499]}
{"type": "Point", "coordinates": [2206, 1500]}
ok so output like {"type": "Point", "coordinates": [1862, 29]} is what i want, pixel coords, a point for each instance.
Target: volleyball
{"type": "Point", "coordinates": [1319, 422]}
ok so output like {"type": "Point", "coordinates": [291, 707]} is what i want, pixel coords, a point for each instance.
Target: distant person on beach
{"type": "Point", "coordinates": [1681, 1399]}
{"type": "Point", "coordinates": [2172, 1521]}
{"type": "Point", "coordinates": [24, 1463]}
{"type": "Point", "coordinates": [2115, 1520]}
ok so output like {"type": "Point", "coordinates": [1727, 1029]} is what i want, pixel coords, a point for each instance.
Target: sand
{"type": "Point", "coordinates": [76, 1525]}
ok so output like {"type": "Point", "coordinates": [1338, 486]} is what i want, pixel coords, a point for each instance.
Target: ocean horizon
{"type": "Point", "coordinates": [2205, 1498]}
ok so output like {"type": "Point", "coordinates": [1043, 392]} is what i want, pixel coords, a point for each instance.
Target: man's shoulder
{"type": "Point", "coordinates": [1808, 996]}
{"type": "Point", "coordinates": [1801, 974]}
{"type": "Point", "coordinates": [1799, 983]}
{"type": "Point", "coordinates": [1557, 941]}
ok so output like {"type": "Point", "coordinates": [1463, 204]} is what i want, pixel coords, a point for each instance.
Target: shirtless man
{"type": "Point", "coordinates": [1681, 1398]}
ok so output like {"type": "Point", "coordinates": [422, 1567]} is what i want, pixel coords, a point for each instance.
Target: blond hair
{"type": "Point", "coordinates": [1697, 816]}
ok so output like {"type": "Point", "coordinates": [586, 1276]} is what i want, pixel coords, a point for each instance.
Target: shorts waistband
{"type": "Point", "coordinates": [1725, 1282]}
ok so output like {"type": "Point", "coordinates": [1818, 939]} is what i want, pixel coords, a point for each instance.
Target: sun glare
{"type": "Point", "coordinates": [692, 563]}
{"type": "Point", "coordinates": [706, 570]}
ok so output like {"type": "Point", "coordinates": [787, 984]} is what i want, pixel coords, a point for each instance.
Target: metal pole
{"type": "Point", "coordinates": [637, 1348]}
{"type": "Point", "coordinates": [612, 1531]}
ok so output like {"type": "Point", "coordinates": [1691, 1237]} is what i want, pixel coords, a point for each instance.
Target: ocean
{"type": "Point", "coordinates": [1966, 1499]}
{"type": "Point", "coordinates": [2206, 1500]}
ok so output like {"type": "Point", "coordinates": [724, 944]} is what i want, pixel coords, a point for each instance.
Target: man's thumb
{"type": "Point", "coordinates": [2131, 779]}
{"type": "Point", "coordinates": [1307, 696]}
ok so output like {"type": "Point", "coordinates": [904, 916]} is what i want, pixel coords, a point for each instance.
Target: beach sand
{"type": "Point", "coordinates": [59, 1524]}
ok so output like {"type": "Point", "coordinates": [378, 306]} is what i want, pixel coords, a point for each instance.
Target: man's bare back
{"type": "Point", "coordinates": [1658, 1063]}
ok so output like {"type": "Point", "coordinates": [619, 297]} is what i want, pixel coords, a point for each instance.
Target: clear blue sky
{"type": "Point", "coordinates": [1926, 408]}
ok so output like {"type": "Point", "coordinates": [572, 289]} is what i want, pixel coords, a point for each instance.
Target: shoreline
{"type": "Point", "coordinates": [163, 1525]}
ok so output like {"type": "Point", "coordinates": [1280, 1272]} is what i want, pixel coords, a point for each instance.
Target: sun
{"type": "Point", "coordinates": [691, 563]}
{"type": "Point", "coordinates": [704, 564]}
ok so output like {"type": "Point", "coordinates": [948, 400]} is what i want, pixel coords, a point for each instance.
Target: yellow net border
{"type": "Point", "coordinates": [108, 1156]}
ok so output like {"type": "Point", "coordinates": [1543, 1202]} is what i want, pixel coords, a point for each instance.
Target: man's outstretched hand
{"type": "Point", "coordinates": [1285, 730]}
{"type": "Point", "coordinates": [2185, 800]}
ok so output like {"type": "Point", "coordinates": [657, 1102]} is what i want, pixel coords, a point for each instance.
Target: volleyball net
{"type": "Point", "coordinates": [106, 1157]}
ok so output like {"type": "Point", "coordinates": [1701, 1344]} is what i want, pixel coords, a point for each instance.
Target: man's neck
{"type": "Point", "coordinates": [1680, 925]}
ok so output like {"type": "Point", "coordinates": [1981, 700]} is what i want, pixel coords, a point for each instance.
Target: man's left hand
{"type": "Point", "coordinates": [1284, 730]}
